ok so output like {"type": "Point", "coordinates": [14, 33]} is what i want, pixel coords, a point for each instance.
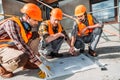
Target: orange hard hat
{"type": "Point", "coordinates": [57, 13]}
{"type": "Point", "coordinates": [33, 11]}
{"type": "Point", "coordinates": [80, 10]}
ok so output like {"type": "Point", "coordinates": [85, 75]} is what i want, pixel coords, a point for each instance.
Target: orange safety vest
{"type": "Point", "coordinates": [25, 36]}
{"type": "Point", "coordinates": [50, 30]}
{"type": "Point", "coordinates": [81, 26]}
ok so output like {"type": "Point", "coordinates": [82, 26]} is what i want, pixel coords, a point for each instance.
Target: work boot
{"type": "Point", "coordinates": [57, 55]}
{"type": "Point", "coordinates": [53, 55]}
{"type": "Point", "coordinates": [48, 56]}
{"type": "Point", "coordinates": [4, 73]}
{"type": "Point", "coordinates": [81, 51]}
{"type": "Point", "coordinates": [92, 53]}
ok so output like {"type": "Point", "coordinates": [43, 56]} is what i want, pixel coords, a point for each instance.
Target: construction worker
{"type": "Point", "coordinates": [86, 29]}
{"type": "Point", "coordinates": [52, 35]}
{"type": "Point", "coordinates": [14, 36]}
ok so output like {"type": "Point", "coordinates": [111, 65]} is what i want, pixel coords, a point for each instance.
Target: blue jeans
{"type": "Point", "coordinates": [53, 46]}
{"type": "Point", "coordinates": [92, 39]}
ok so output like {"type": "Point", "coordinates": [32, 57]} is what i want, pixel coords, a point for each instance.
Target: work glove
{"type": "Point", "coordinates": [45, 71]}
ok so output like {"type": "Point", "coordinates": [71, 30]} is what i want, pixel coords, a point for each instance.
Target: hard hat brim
{"type": "Point", "coordinates": [79, 14]}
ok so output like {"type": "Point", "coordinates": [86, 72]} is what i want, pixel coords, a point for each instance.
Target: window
{"type": "Point", "coordinates": [104, 11]}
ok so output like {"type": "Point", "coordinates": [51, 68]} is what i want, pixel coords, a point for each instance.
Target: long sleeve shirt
{"type": "Point", "coordinates": [75, 26]}
{"type": "Point", "coordinates": [11, 30]}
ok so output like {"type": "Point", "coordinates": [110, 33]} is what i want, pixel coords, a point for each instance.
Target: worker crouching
{"type": "Point", "coordinates": [15, 33]}
{"type": "Point", "coordinates": [86, 29]}
{"type": "Point", "coordinates": [52, 35]}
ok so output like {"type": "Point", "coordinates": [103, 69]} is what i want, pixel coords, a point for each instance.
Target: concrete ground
{"type": "Point", "coordinates": [108, 49]}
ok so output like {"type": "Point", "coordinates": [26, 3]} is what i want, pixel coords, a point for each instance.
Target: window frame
{"type": "Point", "coordinates": [115, 11]}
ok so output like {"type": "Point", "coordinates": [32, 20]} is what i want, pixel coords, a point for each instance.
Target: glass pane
{"type": "Point", "coordinates": [1, 10]}
{"type": "Point", "coordinates": [104, 11]}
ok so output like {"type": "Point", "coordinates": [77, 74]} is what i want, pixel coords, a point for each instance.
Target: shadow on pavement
{"type": "Point", "coordinates": [110, 52]}
{"type": "Point", "coordinates": [33, 73]}
{"type": "Point", "coordinates": [28, 73]}
{"type": "Point", "coordinates": [108, 49]}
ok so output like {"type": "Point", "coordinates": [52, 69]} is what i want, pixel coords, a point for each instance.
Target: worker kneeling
{"type": "Point", "coordinates": [14, 36]}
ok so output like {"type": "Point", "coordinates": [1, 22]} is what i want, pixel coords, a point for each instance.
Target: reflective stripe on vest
{"type": "Point", "coordinates": [81, 26]}
{"type": "Point", "coordinates": [50, 30]}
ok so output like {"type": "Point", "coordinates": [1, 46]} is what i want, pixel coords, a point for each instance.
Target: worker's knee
{"type": "Point", "coordinates": [97, 31]}
{"type": "Point", "coordinates": [79, 45]}
{"type": "Point", "coordinates": [23, 60]}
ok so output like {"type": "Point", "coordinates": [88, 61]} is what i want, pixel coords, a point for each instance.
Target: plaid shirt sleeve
{"type": "Point", "coordinates": [43, 30]}
{"type": "Point", "coordinates": [13, 30]}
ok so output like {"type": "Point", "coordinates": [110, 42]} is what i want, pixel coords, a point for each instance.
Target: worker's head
{"type": "Point", "coordinates": [32, 13]}
{"type": "Point", "coordinates": [80, 11]}
{"type": "Point", "coordinates": [56, 16]}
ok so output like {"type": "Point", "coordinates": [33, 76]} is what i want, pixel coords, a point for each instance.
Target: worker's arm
{"type": "Point", "coordinates": [43, 32]}
{"type": "Point", "coordinates": [66, 37]}
{"type": "Point", "coordinates": [13, 31]}
{"type": "Point", "coordinates": [97, 24]}
{"type": "Point", "coordinates": [73, 39]}
{"type": "Point", "coordinates": [54, 36]}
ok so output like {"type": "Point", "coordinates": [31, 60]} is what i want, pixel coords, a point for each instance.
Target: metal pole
{"type": "Point", "coordinates": [8, 15]}
{"type": "Point", "coordinates": [118, 9]}
{"type": "Point", "coordinates": [104, 9]}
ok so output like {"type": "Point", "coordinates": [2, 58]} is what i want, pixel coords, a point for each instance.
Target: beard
{"type": "Point", "coordinates": [55, 24]}
{"type": "Point", "coordinates": [82, 20]}
{"type": "Point", "coordinates": [34, 25]}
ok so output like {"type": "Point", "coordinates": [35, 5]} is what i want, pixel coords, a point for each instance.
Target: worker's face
{"type": "Point", "coordinates": [54, 21]}
{"type": "Point", "coordinates": [81, 18]}
{"type": "Point", "coordinates": [32, 22]}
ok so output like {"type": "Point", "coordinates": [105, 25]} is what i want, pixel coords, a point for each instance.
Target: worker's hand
{"type": "Point", "coordinates": [60, 35]}
{"type": "Point", "coordinates": [38, 54]}
{"type": "Point", "coordinates": [46, 70]}
{"type": "Point", "coordinates": [72, 51]}
{"type": "Point", "coordinates": [99, 25]}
